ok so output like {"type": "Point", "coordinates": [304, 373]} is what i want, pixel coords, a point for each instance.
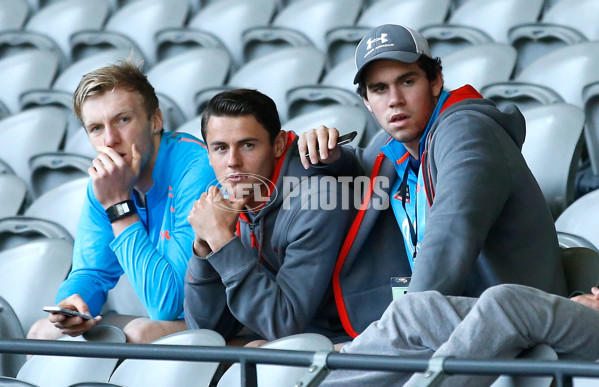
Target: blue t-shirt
{"type": "Point", "coordinates": [153, 252]}
{"type": "Point", "coordinates": [409, 203]}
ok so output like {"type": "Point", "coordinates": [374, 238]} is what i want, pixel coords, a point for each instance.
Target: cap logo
{"type": "Point", "coordinates": [382, 39]}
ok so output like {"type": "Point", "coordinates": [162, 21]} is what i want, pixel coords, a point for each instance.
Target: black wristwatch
{"type": "Point", "coordinates": [121, 210]}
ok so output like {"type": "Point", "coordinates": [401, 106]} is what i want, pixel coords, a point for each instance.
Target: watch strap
{"type": "Point", "coordinates": [121, 210]}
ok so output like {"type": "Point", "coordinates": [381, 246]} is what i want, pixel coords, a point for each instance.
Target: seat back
{"type": "Point", "coordinates": [13, 191]}
{"type": "Point", "coordinates": [580, 15]}
{"type": "Point", "coordinates": [20, 230]}
{"type": "Point", "coordinates": [123, 300]}
{"type": "Point", "coordinates": [60, 371]}
{"type": "Point", "coordinates": [39, 266]}
{"type": "Point", "coordinates": [314, 18]}
{"type": "Point", "coordinates": [182, 76]}
{"type": "Point", "coordinates": [25, 71]}
{"type": "Point", "coordinates": [276, 73]}
{"type": "Point", "coordinates": [10, 328]}
{"type": "Point", "coordinates": [62, 19]}
{"type": "Point", "coordinates": [61, 205]}
{"type": "Point", "coordinates": [345, 118]}
{"type": "Point", "coordinates": [478, 65]}
{"type": "Point", "coordinates": [141, 20]}
{"type": "Point", "coordinates": [13, 14]}
{"type": "Point", "coordinates": [166, 373]}
{"type": "Point", "coordinates": [553, 137]}
{"type": "Point", "coordinates": [229, 18]}
{"type": "Point", "coordinates": [49, 170]}
{"type": "Point", "coordinates": [276, 376]}
{"type": "Point", "coordinates": [29, 133]}
{"type": "Point", "coordinates": [580, 61]}
{"type": "Point", "coordinates": [496, 17]}
{"type": "Point", "coordinates": [578, 218]}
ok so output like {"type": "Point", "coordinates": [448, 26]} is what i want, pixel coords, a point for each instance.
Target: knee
{"type": "Point", "coordinates": [139, 331]}
{"type": "Point", "coordinates": [503, 295]}
{"type": "Point", "coordinates": [43, 330]}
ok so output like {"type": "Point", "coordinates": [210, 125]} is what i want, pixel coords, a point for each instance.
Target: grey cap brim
{"type": "Point", "coordinates": [399, 56]}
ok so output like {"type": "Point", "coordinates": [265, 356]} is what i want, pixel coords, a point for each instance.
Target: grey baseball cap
{"type": "Point", "coordinates": [390, 41]}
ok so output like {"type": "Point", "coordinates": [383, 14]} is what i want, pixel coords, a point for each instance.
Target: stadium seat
{"type": "Point", "coordinates": [478, 65]}
{"type": "Point", "coordinates": [29, 133]}
{"type": "Point", "coordinates": [567, 22]}
{"type": "Point", "coordinates": [49, 170]}
{"type": "Point", "coordinates": [13, 382]}
{"type": "Point", "coordinates": [5, 168]}
{"type": "Point", "coordinates": [477, 22]}
{"type": "Point", "coordinates": [23, 72]}
{"type": "Point", "coordinates": [10, 328]}
{"type": "Point", "coordinates": [567, 240]}
{"type": "Point", "coordinates": [538, 352]}
{"type": "Point", "coordinates": [60, 371]}
{"type": "Point", "coordinates": [345, 118]}
{"type": "Point", "coordinates": [13, 191]}
{"type": "Point", "coordinates": [142, 373]}
{"type": "Point", "coordinates": [182, 76]}
{"type": "Point", "coordinates": [578, 218]}
{"type": "Point", "coordinates": [416, 14]}
{"type": "Point", "coordinates": [581, 267]}
{"type": "Point", "coordinates": [590, 96]}
{"type": "Point", "coordinates": [545, 79]}
{"type": "Point", "coordinates": [218, 24]}
{"type": "Point", "coordinates": [193, 127]}
{"type": "Point", "coordinates": [78, 143]}
{"type": "Point", "coordinates": [552, 150]}
{"type": "Point", "coordinates": [51, 27]}
{"type": "Point", "coordinates": [61, 205]}
{"type": "Point", "coordinates": [301, 23]}
{"type": "Point", "coordinates": [19, 230]}
{"type": "Point", "coordinates": [41, 267]}
{"type": "Point", "coordinates": [276, 376]}
{"type": "Point", "coordinates": [275, 74]}
{"type": "Point", "coordinates": [133, 26]}
{"type": "Point", "coordinates": [61, 92]}
{"type": "Point", "coordinates": [13, 14]}
{"type": "Point", "coordinates": [335, 87]}
{"type": "Point", "coordinates": [123, 300]}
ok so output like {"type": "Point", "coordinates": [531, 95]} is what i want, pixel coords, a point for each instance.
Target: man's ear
{"type": "Point", "coordinates": [157, 122]}
{"type": "Point", "coordinates": [437, 85]}
{"type": "Point", "coordinates": [367, 104]}
{"type": "Point", "coordinates": [280, 143]}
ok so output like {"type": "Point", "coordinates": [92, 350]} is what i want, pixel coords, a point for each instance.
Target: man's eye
{"type": "Point", "coordinates": [409, 82]}
{"type": "Point", "coordinates": [125, 119]}
{"type": "Point", "coordinates": [248, 146]}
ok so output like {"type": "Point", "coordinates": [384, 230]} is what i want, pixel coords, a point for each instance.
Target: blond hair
{"type": "Point", "coordinates": [123, 74]}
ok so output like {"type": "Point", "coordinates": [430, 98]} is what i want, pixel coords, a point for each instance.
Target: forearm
{"type": "Point", "coordinates": [156, 278]}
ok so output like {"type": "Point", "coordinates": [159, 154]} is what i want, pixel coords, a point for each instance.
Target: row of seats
{"type": "Point", "coordinates": [249, 28]}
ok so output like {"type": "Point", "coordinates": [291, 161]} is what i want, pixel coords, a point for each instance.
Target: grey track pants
{"type": "Point", "coordinates": [504, 321]}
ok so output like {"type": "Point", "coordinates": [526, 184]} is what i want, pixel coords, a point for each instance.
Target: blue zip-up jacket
{"type": "Point", "coordinates": [153, 252]}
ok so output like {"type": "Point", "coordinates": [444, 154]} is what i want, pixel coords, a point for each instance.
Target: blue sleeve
{"type": "Point", "coordinates": [95, 268]}
{"type": "Point", "coordinates": [157, 277]}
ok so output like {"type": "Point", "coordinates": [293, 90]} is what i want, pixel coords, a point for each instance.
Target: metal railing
{"type": "Point", "coordinates": [318, 362]}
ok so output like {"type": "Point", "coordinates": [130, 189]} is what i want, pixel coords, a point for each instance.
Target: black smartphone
{"type": "Point", "coordinates": [66, 312]}
{"type": "Point", "coordinates": [345, 139]}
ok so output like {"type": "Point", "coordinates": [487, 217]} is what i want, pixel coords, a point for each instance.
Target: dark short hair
{"type": "Point", "coordinates": [123, 74]}
{"type": "Point", "coordinates": [244, 102]}
{"type": "Point", "coordinates": [431, 68]}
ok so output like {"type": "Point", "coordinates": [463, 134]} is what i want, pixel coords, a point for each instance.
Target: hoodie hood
{"type": "Point", "coordinates": [510, 118]}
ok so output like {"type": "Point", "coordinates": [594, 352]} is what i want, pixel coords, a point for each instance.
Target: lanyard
{"type": "Point", "coordinates": [403, 193]}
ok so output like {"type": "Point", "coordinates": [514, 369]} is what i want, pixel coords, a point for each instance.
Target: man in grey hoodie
{"type": "Point", "coordinates": [266, 242]}
{"type": "Point", "coordinates": [470, 211]}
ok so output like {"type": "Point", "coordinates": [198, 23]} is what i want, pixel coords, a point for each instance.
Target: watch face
{"type": "Point", "coordinates": [122, 208]}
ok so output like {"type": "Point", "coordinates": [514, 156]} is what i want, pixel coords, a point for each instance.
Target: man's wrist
{"type": "Point", "coordinates": [120, 210]}
{"type": "Point", "coordinates": [218, 241]}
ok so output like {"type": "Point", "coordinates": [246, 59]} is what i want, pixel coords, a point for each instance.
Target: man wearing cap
{"type": "Point", "coordinates": [470, 211]}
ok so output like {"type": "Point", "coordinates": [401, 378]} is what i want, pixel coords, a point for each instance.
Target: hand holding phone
{"type": "Point", "coordinates": [345, 139]}
{"type": "Point", "coordinates": [66, 312]}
